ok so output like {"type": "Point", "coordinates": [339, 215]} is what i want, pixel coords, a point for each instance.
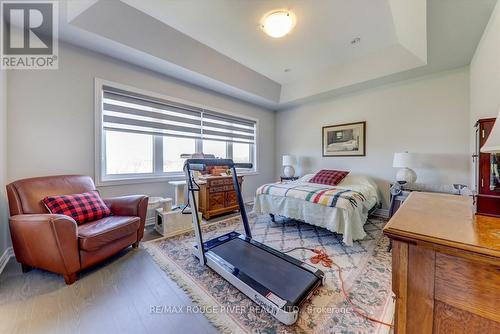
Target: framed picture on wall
{"type": "Point", "coordinates": [344, 140]}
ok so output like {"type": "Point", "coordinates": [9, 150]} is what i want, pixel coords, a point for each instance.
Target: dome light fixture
{"type": "Point", "coordinates": [278, 23]}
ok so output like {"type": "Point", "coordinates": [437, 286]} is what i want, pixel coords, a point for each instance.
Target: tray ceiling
{"type": "Point", "coordinates": [218, 44]}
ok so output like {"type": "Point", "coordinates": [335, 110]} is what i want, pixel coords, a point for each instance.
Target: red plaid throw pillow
{"type": "Point", "coordinates": [329, 177]}
{"type": "Point", "coordinates": [82, 208]}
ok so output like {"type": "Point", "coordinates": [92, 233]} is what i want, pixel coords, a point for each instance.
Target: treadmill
{"type": "Point", "coordinates": [276, 281]}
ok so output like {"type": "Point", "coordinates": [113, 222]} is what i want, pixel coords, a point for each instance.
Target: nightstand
{"type": "Point", "coordinates": [288, 178]}
{"type": "Point", "coordinates": [397, 200]}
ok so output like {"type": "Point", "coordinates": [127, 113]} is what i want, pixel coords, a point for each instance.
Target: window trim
{"type": "Point", "coordinates": [99, 143]}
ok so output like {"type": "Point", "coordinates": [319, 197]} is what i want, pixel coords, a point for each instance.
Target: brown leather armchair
{"type": "Point", "coordinates": [56, 242]}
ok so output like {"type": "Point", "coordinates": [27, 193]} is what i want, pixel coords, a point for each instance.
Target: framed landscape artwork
{"type": "Point", "coordinates": [344, 140]}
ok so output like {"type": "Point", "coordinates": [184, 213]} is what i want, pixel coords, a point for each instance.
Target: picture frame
{"type": "Point", "coordinates": [344, 140]}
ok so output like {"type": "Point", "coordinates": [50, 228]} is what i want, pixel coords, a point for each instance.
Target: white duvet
{"type": "Point", "coordinates": [348, 222]}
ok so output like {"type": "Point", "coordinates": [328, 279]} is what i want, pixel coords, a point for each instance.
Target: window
{"type": "Point", "coordinates": [128, 153]}
{"type": "Point", "coordinates": [217, 148]}
{"type": "Point", "coordinates": [242, 152]}
{"type": "Point", "coordinates": [173, 147]}
{"type": "Point", "coordinates": [144, 136]}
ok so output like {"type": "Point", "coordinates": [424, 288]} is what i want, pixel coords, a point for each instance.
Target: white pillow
{"type": "Point", "coordinates": [306, 178]}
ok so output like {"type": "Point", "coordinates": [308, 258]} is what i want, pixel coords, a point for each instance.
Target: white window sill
{"type": "Point", "coordinates": [153, 179]}
{"type": "Point", "coordinates": [254, 172]}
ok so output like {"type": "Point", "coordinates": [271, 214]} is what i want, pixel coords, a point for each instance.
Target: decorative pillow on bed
{"type": "Point", "coordinates": [82, 208]}
{"type": "Point", "coordinates": [329, 177]}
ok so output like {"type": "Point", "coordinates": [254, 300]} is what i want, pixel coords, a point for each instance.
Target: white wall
{"type": "Point", "coordinates": [51, 118]}
{"type": "Point", "coordinates": [4, 229]}
{"type": "Point", "coordinates": [485, 74]}
{"type": "Point", "coordinates": [427, 115]}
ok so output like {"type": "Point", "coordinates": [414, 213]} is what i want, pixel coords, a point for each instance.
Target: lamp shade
{"type": "Point", "coordinates": [492, 145]}
{"type": "Point", "coordinates": [404, 160]}
{"type": "Point", "coordinates": [289, 160]}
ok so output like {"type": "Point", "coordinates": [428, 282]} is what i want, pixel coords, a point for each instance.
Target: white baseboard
{"type": "Point", "coordinates": [150, 222]}
{"type": "Point", "coordinates": [382, 213]}
{"type": "Point", "coordinates": [4, 259]}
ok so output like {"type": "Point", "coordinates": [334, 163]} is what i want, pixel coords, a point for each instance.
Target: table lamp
{"type": "Point", "coordinates": [404, 161]}
{"type": "Point", "coordinates": [288, 162]}
{"type": "Point", "coordinates": [492, 144]}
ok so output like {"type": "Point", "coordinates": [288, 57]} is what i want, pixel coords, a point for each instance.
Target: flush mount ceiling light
{"type": "Point", "coordinates": [278, 23]}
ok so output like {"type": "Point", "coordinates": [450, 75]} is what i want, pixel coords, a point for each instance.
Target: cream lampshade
{"type": "Point", "coordinates": [288, 162]}
{"type": "Point", "coordinates": [404, 161]}
{"type": "Point", "coordinates": [492, 145]}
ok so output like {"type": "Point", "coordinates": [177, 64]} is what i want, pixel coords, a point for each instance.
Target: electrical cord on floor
{"type": "Point", "coordinates": [326, 261]}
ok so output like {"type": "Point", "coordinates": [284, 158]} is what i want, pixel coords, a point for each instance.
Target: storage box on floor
{"type": "Point", "coordinates": [173, 222]}
{"type": "Point", "coordinates": [156, 203]}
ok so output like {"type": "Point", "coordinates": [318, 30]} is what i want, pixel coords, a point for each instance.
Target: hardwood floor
{"type": "Point", "coordinates": [114, 297]}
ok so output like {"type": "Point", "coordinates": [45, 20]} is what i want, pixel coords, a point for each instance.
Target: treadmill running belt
{"type": "Point", "coordinates": [283, 278]}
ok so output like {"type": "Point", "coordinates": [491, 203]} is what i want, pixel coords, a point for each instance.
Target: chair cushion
{"type": "Point", "coordinates": [82, 208]}
{"type": "Point", "coordinates": [96, 234]}
{"type": "Point", "coordinates": [329, 177]}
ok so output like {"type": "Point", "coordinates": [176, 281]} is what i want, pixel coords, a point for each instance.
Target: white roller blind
{"type": "Point", "coordinates": [217, 126]}
{"type": "Point", "coordinates": [131, 112]}
{"type": "Point", "coordinates": [124, 111]}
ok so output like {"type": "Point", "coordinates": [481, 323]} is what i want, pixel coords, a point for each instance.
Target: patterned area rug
{"type": "Point", "coordinates": [366, 268]}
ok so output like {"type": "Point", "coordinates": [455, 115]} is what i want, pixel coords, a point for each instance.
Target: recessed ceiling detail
{"type": "Point", "coordinates": [335, 45]}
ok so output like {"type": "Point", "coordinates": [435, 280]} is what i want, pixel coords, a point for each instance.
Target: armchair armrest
{"type": "Point", "coordinates": [46, 241]}
{"type": "Point", "coordinates": [133, 205]}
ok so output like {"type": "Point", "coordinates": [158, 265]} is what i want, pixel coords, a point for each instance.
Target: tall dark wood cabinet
{"type": "Point", "coordinates": [488, 172]}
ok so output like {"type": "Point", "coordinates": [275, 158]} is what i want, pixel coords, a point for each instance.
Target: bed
{"type": "Point", "coordinates": [341, 209]}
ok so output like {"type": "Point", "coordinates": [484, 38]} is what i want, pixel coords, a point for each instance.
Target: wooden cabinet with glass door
{"type": "Point", "coordinates": [488, 173]}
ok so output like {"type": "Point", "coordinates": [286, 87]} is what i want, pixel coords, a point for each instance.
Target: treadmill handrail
{"type": "Point", "coordinates": [196, 164]}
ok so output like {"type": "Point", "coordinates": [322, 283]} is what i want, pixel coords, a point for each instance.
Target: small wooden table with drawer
{"type": "Point", "coordinates": [217, 195]}
{"type": "Point", "coordinates": [445, 266]}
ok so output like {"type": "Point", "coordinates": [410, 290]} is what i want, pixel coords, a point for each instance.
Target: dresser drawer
{"type": "Point", "coordinates": [468, 285]}
{"type": "Point", "coordinates": [217, 182]}
{"type": "Point", "coordinates": [217, 201]}
{"type": "Point", "coordinates": [217, 189]}
{"type": "Point", "coordinates": [231, 198]}
{"type": "Point", "coordinates": [226, 181]}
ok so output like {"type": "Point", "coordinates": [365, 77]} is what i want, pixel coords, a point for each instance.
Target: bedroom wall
{"type": "Point", "coordinates": [427, 115]}
{"type": "Point", "coordinates": [4, 227]}
{"type": "Point", "coordinates": [51, 118]}
{"type": "Point", "coordinates": [485, 76]}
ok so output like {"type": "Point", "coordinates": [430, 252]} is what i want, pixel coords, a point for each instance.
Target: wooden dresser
{"type": "Point", "coordinates": [217, 195]}
{"type": "Point", "coordinates": [446, 266]}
